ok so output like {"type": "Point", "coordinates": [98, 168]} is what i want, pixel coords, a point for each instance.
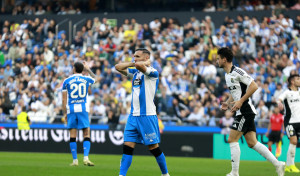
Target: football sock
{"type": "Point", "coordinates": [126, 160]}
{"type": "Point", "coordinates": [263, 150]}
{"type": "Point", "coordinates": [86, 146]}
{"type": "Point", "coordinates": [290, 160]}
{"type": "Point", "coordinates": [73, 147]}
{"type": "Point", "coordinates": [160, 159]}
{"type": "Point", "coordinates": [235, 156]}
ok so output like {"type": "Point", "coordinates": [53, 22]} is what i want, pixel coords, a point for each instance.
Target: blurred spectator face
{"type": "Point", "coordinates": [276, 110]}
{"type": "Point", "coordinates": [228, 114]}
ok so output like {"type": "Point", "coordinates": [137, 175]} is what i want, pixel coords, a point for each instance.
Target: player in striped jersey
{"type": "Point", "coordinates": [75, 109]}
{"type": "Point", "coordinates": [142, 123]}
{"type": "Point", "coordinates": [241, 87]}
{"type": "Point", "coordinates": [291, 100]}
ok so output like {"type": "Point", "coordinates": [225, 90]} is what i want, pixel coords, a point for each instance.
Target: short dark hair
{"type": "Point", "coordinates": [291, 78]}
{"type": "Point", "coordinates": [143, 50]}
{"type": "Point", "coordinates": [226, 52]}
{"type": "Point", "coordinates": [78, 67]}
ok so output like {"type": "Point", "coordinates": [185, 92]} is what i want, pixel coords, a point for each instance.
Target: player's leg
{"type": "Point", "coordinates": [72, 126]}
{"type": "Point", "coordinates": [84, 124]}
{"type": "Point", "coordinates": [264, 151]}
{"type": "Point", "coordinates": [149, 130]}
{"type": "Point", "coordinates": [290, 159]}
{"type": "Point", "coordinates": [160, 158]}
{"type": "Point", "coordinates": [260, 148]}
{"type": "Point", "coordinates": [126, 160]}
{"type": "Point", "coordinates": [73, 146]}
{"type": "Point", "coordinates": [270, 143]}
{"type": "Point", "coordinates": [131, 137]}
{"type": "Point", "coordinates": [86, 147]}
{"type": "Point", "coordinates": [235, 151]}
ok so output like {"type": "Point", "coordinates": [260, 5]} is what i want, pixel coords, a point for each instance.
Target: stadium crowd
{"type": "Point", "coordinates": [191, 87]}
{"type": "Point", "coordinates": [71, 7]}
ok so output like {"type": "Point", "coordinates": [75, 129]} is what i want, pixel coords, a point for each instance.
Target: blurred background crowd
{"type": "Point", "coordinates": [64, 7]}
{"type": "Point", "coordinates": [191, 87]}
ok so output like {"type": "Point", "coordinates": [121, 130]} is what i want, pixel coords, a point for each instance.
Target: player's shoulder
{"type": "Point", "coordinates": [69, 78]}
{"type": "Point", "coordinates": [238, 70]}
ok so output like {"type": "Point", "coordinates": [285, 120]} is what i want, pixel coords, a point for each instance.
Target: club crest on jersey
{"type": "Point", "coordinates": [232, 80]}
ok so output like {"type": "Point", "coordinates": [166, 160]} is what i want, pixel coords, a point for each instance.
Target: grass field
{"type": "Point", "coordinates": [48, 164]}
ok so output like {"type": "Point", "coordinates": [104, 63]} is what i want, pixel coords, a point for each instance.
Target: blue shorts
{"type": "Point", "coordinates": [142, 129]}
{"type": "Point", "coordinates": [78, 120]}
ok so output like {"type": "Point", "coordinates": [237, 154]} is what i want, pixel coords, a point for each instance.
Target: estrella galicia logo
{"type": "Point", "coordinates": [137, 82]}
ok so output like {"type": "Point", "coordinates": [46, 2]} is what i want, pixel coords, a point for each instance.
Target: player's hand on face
{"type": "Point", "coordinates": [224, 106]}
{"type": "Point", "coordinates": [148, 62]}
{"type": "Point", "coordinates": [237, 105]}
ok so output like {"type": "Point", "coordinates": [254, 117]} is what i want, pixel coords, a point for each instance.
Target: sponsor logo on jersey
{"type": "Point", "coordinates": [137, 82]}
{"type": "Point", "coordinates": [232, 88]}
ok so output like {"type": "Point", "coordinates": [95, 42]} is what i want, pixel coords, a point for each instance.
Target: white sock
{"type": "Point", "coordinates": [290, 159]}
{"type": "Point", "coordinates": [265, 152]}
{"type": "Point", "coordinates": [85, 158]}
{"type": "Point", "coordinates": [235, 156]}
{"type": "Point", "coordinates": [75, 160]}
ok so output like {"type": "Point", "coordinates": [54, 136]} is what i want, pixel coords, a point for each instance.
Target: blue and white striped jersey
{"type": "Point", "coordinates": [77, 87]}
{"type": "Point", "coordinates": [144, 86]}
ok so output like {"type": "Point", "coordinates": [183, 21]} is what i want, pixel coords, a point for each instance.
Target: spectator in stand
{"type": "Point", "coordinates": [226, 122]}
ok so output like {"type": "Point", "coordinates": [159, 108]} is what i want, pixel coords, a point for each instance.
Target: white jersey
{"type": "Point", "coordinates": [144, 86]}
{"type": "Point", "coordinates": [291, 101]}
{"type": "Point", "coordinates": [238, 82]}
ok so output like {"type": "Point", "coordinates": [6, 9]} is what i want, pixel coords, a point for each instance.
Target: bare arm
{"type": "Point", "coordinates": [87, 68]}
{"type": "Point", "coordinates": [225, 104]}
{"type": "Point", "coordinates": [122, 67]}
{"type": "Point", "coordinates": [252, 88]}
{"type": "Point", "coordinates": [142, 66]}
{"type": "Point", "coordinates": [64, 102]}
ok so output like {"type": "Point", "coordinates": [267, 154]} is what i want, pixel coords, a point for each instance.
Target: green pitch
{"type": "Point", "coordinates": [48, 164]}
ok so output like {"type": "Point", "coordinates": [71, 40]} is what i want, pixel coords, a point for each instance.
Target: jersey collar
{"type": "Point", "coordinates": [232, 68]}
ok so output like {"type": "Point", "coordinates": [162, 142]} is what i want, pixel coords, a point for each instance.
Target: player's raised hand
{"type": "Point", "coordinates": [237, 105]}
{"type": "Point", "coordinates": [86, 66]}
{"type": "Point", "coordinates": [224, 106]}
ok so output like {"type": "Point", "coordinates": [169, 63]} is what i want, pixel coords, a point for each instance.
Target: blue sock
{"type": "Point", "coordinates": [125, 164]}
{"type": "Point", "coordinates": [73, 147]}
{"type": "Point", "coordinates": [86, 146]}
{"type": "Point", "coordinates": [161, 161]}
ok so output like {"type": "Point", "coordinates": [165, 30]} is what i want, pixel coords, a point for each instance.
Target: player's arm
{"type": "Point", "coordinates": [251, 89]}
{"type": "Point", "coordinates": [64, 102]}
{"type": "Point", "coordinates": [142, 65]}
{"type": "Point", "coordinates": [87, 68]}
{"type": "Point", "coordinates": [122, 67]}
{"type": "Point", "coordinates": [225, 104]}
{"type": "Point", "coordinates": [280, 100]}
